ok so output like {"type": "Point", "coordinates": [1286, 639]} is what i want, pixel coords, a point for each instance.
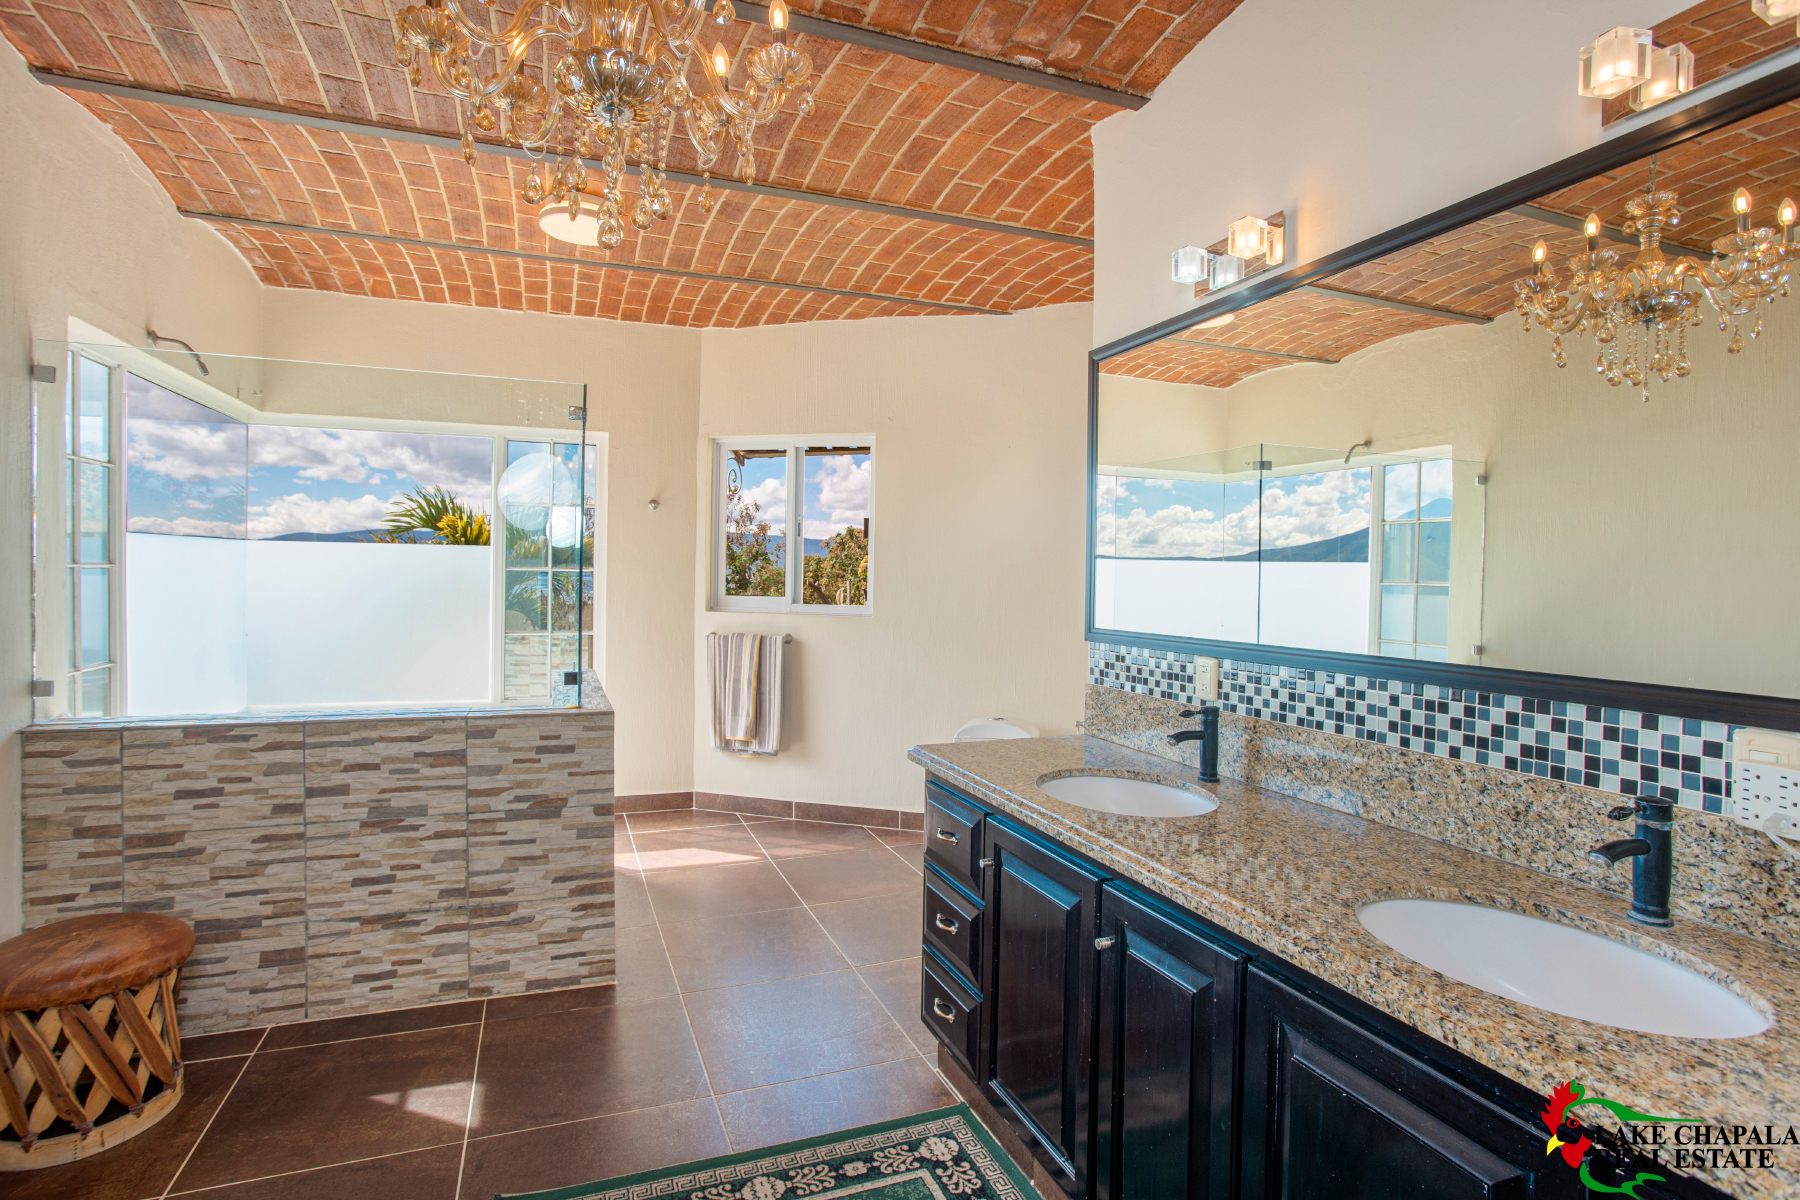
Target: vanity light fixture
{"type": "Point", "coordinates": [1226, 270]}
{"type": "Point", "coordinates": [1776, 11]}
{"type": "Point", "coordinates": [1253, 237]}
{"type": "Point", "coordinates": [1615, 62]}
{"type": "Point", "coordinates": [1671, 74]}
{"type": "Point", "coordinates": [1189, 265]}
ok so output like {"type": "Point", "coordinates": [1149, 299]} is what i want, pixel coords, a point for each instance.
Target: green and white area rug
{"type": "Point", "coordinates": [942, 1155]}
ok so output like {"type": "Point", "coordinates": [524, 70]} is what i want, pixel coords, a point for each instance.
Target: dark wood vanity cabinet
{"type": "Point", "coordinates": [1165, 1095]}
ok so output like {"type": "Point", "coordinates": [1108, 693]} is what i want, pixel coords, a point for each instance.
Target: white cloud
{"type": "Point", "coordinates": [1161, 483]}
{"type": "Point", "coordinates": [187, 450]}
{"type": "Point", "coordinates": [301, 513]}
{"type": "Point", "coordinates": [1296, 512]}
{"type": "Point", "coordinates": [461, 464]}
{"type": "Point", "coordinates": [771, 494]}
{"type": "Point", "coordinates": [1293, 513]}
{"type": "Point", "coordinates": [186, 527]}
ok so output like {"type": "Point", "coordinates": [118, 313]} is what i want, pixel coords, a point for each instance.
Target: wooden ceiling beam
{"type": "Point", "coordinates": [283, 116]}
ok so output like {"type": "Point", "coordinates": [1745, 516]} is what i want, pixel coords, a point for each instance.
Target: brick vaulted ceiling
{"type": "Point", "coordinates": [957, 175]}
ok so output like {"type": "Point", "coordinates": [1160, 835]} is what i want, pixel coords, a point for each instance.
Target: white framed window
{"type": "Point", "coordinates": [791, 524]}
{"type": "Point", "coordinates": [1410, 617]}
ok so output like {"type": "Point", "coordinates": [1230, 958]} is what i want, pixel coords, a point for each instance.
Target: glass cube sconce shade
{"type": "Point", "coordinates": [1776, 11]}
{"type": "Point", "coordinates": [1615, 62]}
{"type": "Point", "coordinates": [1671, 74]}
{"type": "Point", "coordinates": [1249, 237]}
{"type": "Point", "coordinates": [1189, 265]}
{"type": "Point", "coordinates": [1226, 270]}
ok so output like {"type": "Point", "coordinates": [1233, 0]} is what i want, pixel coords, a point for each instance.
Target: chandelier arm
{"type": "Point", "coordinates": [483, 34]}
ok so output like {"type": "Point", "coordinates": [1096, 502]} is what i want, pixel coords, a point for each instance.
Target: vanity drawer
{"type": "Point", "coordinates": [953, 836]}
{"type": "Point", "coordinates": [953, 924]}
{"type": "Point", "coordinates": [951, 1011]}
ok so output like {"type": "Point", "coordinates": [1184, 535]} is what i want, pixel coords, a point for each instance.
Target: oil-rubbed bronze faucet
{"type": "Point", "coordinates": [1208, 737]}
{"type": "Point", "coordinates": [1652, 855]}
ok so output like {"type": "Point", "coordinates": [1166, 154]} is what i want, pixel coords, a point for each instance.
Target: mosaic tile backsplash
{"type": "Point", "coordinates": [336, 865]}
{"type": "Point", "coordinates": [1609, 749]}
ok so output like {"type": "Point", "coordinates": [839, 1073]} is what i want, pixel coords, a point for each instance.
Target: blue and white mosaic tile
{"type": "Point", "coordinates": [1614, 750]}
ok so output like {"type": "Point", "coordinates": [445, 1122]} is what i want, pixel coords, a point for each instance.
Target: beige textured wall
{"type": "Point", "coordinates": [1625, 540]}
{"type": "Point", "coordinates": [1354, 118]}
{"type": "Point", "coordinates": [85, 232]}
{"type": "Point", "coordinates": [643, 392]}
{"type": "Point", "coordinates": [977, 544]}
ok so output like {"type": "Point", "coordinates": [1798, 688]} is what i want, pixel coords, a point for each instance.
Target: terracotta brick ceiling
{"type": "Point", "coordinates": [937, 140]}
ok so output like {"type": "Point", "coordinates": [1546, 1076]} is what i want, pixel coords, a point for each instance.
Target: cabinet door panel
{"type": "Point", "coordinates": [1168, 1057]}
{"type": "Point", "coordinates": [1040, 928]}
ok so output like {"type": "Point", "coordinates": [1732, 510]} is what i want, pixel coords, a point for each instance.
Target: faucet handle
{"type": "Point", "coordinates": [1620, 812]}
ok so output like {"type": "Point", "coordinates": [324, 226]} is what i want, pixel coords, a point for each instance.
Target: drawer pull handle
{"type": "Point", "coordinates": [1105, 943]}
{"type": "Point", "coordinates": [947, 925]}
{"type": "Point", "coordinates": [943, 1010]}
{"type": "Point", "coordinates": [945, 835]}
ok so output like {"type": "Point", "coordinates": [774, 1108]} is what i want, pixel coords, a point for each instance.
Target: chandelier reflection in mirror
{"type": "Point", "coordinates": [1639, 312]}
{"type": "Point", "coordinates": [602, 79]}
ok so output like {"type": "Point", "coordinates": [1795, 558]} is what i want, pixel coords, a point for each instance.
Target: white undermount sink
{"type": "Point", "coordinates": [1127, 797]}
{"type": "Point", "coordinates": [1560, 969]}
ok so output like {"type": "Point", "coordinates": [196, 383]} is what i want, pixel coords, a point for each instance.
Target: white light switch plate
{"type": "Point", "coordinates": [1206, 678]}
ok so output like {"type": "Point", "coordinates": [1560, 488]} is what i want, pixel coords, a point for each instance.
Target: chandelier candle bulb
{"type": "Point", "coordinates": [778, 20]}
{"type": "Point", "coordinates": [1615, 62]}
{"type": "Point", "coordinates": [1591, 227]}
{"type": "Point", "coordinates": [1740, 204]}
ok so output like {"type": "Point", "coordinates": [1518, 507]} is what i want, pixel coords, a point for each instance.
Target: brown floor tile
{"type": "Point", "coordinates": [900, 837]}
{"type": "Point", "coordinates": [321, 1105]}
{"type": "Point", "coordinates": [586, 1062]}
{"type": "Point", "coordinates": [677, 849]}
{"type": "Point", "coordinates": [913, 856]}
{"type": "Point", "coordinates": [798, 839]}
{"type": "Point", "coordinates": [897, 985]}
{"type": "Point", "coordinates": [871, 930]}
{"type": "Point", "coordinates": [706, 892]}
{"type": "Point", "coordinates": [400, 1020]}
{"type": "Point", "coordinates": [683, 818]}
{"type": "Point", "coordinates": [146, 1164]}
{"type": "Point", "coordinates": [750, 949]}
{"type": "Point", "coordinates": [828, 1103]}
{"type": "Point", "coordinates": [536, 1004]}
{"type": "Point", "coordinates": [631, 901]}
{"type": "Point", "coordinates": [826, 878]}
{"type": "Point", "coordinates": [642, 966]}
{"type": "Point", "coordinates": [418, 1175]}
{"type": "Point", "coordinates": [220, 1045]}
{"type": "Point", "coordinates": [766, 1033]}
{"type": "Point", "coordinates": [598, 1148]}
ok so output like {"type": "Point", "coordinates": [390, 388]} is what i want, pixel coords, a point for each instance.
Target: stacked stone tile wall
{"type": "Point", "coordinates": [340, 864]}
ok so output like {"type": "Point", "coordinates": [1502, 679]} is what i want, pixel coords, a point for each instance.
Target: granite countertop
{"type": "Point", "coordinates": [1288, 875]}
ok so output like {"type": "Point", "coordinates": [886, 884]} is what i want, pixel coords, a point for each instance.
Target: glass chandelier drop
{"type": "Point", "coordinates": [1639, 312]}
{"type": "Point", "coordinates": [606, 83]}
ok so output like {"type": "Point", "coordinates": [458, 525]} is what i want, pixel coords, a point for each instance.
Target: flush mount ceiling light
{"type": "Point", "coordinates": [1615, 62]}
{"type": "Point", "coordinates": [603, 79]}
{"type": "Point", "coordinates": [571, 221]}
{"type": "Point", "coordinates": [1671, 74]}
{"type": "Point", "coordinates": [1776, 11]}
{"type": "Point", "coordinates": [1253, 237]}
{"type": "Point", "coordinates": [1639, 312]}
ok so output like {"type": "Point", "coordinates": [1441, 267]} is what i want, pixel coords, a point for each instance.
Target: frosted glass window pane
{"type": "Point", "coordinates": [1397, 611]}
{"type": "Point", "coordinates": [527, 601]}
{"type": "Point", "coordinates": [95, 404]}
{"type": "Point", "coordinates": [1434, 552]}
{"type": "Point", "coordinates": [1400, 486]}
{"type": "Point", "coordinates": [1434, 616]}
{"type": "Point", "coordinates": [95, 692]}
{"type": "Point", "coordinates": [96, 612]}
{"type": "Point", "coordinates": [1397, 552]}
{"type": "Point", "coordinates": [1435, 490]}
{"type": "Point", "coordinates": [754, 492]}
{"type": "Point", "coordinates": [94, 512]}
{"type": "Point", "coordinates": [1396, 650]}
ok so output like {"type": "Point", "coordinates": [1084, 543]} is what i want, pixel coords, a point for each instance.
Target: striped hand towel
{"type": "Point", "coordinates": [744, 674]}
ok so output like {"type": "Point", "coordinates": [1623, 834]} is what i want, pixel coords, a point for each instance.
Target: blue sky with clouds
{"type": "Point", "coordinates": [1180, 518]}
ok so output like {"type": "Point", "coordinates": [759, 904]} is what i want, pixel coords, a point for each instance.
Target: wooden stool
{"type": "Point", "coordinates": [89, 1053]}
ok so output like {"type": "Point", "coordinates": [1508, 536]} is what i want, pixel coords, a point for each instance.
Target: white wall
{"type": "Point", "coordinates": [1354, 118]}
{"type": "Point", "coordinates": [85, 231]}
{"type": "Point", "coordinates": [979, 428]}
{"type": "Point", "coordinates": [184, 618]}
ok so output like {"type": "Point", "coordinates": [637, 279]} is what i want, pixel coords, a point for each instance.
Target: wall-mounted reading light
{"type": "Point", "coordinates": [1776, 11]}
{"type": "Point", "coordinates": [1671, 74]}
{"type": "Point", "coordinates": [1615, 62]}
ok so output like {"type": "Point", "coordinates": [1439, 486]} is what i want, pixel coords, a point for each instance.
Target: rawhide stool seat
{"type": "Point", "coordinates": [89, 1052]}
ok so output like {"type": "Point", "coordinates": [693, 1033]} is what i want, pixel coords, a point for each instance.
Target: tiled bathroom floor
{"type": "Point", "coordinates": [768, 991]}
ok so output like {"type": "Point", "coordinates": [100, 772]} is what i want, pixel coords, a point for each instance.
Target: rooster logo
{"type": "Point", "coordinates": [1566, 1134]}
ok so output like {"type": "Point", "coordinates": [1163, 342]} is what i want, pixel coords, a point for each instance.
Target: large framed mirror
{"type": "Point", "coordinates": [1500, 448]}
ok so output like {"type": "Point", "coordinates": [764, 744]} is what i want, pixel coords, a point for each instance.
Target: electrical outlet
{"type": "Point", "coordinates": [1765, 781]}
{"type": "Point", "coordinates": [1206, 678]}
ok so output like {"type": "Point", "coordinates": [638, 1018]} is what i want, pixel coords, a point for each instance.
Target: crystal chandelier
{"type": "Point", "coordinates": [607, 83]}
{"type": "Point", "coordinates": [1639, 312]}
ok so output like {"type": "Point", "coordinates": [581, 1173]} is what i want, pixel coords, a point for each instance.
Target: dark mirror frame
{"type": "Point", "coordinates": [1715, 112]}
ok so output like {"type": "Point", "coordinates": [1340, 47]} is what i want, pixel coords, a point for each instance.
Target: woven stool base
{"type": "Point", "coordinates": [70, 1147]}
